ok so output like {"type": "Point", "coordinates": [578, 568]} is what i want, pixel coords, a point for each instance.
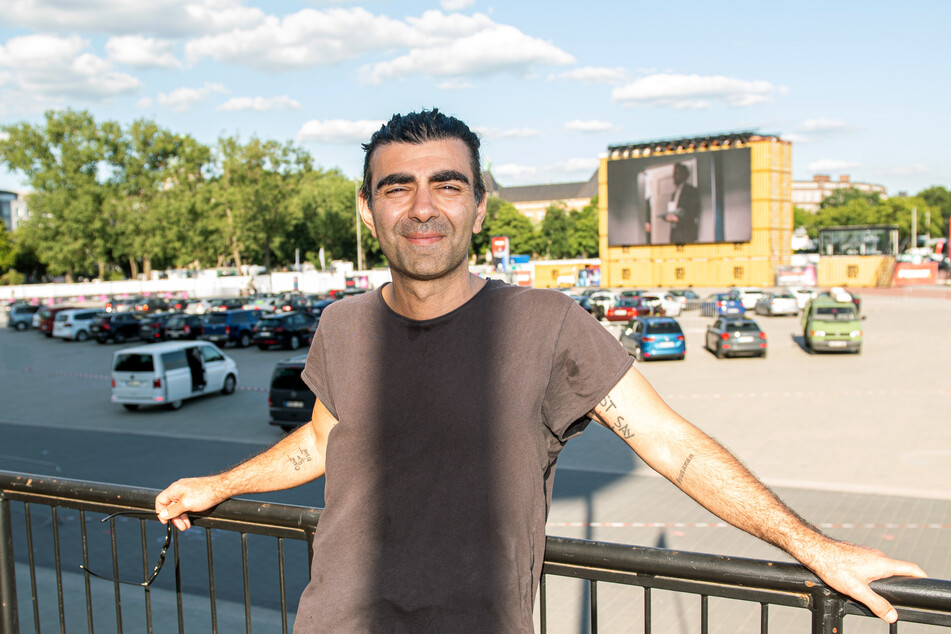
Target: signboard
{"type": "Point", "coordinates": [908, 274]}
{"type": "Point", "coordinates": [500, 252]}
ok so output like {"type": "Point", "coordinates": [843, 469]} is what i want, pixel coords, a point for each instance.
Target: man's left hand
{"type": "Point", "coordinates": [671, 217]}
{"type": "Point", "coordinates": [850, 568]}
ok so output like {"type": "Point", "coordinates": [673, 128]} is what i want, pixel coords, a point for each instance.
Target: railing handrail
{"type": "Point", "coordinates": [300, 522]}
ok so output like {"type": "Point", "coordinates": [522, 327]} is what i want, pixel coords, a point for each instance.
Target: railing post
{"type": "Point", "coordinates": [9, 624]}
{"type": "Point", "coordinates": [828, 609]}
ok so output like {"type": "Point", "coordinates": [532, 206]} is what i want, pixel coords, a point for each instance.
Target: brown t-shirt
{"type": "Point", "coordinates": [439, 471]}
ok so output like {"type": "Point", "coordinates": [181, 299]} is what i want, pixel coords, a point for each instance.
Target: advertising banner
{"type": "Point", "coordinates": [908, 274]}
{"type": "Point", "coordinates": [500, 252]}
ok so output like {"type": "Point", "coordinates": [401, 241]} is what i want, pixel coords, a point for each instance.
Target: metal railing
{"type": "Point", "coordinates": [190, 593]}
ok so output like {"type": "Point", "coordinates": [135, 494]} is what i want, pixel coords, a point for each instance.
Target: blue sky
{"type": "Point", "coordinates": [859, 87]}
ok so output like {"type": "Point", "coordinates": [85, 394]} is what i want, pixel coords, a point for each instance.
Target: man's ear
{"type": "Point", "coordinates": [480, 215]}
{"type": "Point", "coordinates": [365, 214]}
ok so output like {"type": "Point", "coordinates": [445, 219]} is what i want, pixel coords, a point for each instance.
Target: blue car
{"type": "Point", "coordinates": [654, 338]}
{"type": "Point", "coordinates": [722, 304]}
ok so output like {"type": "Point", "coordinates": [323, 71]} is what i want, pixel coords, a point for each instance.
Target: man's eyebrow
{"type": "Point", "coordinates": [449, 175]}
{"type": "Point", "coordinates": [399, 178]}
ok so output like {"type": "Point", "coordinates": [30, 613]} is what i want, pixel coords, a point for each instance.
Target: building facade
{"type": "Point", "coordinates": [809, 195]}
{"type": "Point", "coordinates": [12, 209]}
{"type": "Point", "coordinates": [533, 200]}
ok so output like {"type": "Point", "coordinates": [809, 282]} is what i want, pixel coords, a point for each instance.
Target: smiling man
{"type": "Point", "coordinates": [443, 402]}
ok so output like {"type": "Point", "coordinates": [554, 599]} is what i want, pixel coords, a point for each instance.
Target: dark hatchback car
{"type": "Point", "coordinates": [184, 326]}
{"type": "Point", "coordinates": [116, 327]}
{"type": "Point", "coordinates": [152, 327]}
{"type": "Point", "coordinates": [290, 402]}
{"type": "Point", "coordinates": [733, 336]}
{"type": "Point", "coordinates": [288, 330]}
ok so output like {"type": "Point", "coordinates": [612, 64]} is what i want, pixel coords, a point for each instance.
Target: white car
{"type": "Point", "coordinates": [266, 304]}
{"type": "Point", "coordinates": [777, 303]}
{"type": "Point", "coordinates": [667, 302]}
{"type": "Point", "coordinates": [168, 373]}
{"type": "Point", "coordinates": [803, 295]}
{"type": "Point", "coordinates": [75, 323]}
{"type": "Point", "coordinates": [749, 297]}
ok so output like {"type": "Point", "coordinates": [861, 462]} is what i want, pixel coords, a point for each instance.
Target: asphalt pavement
{"type": "Point", "coordinates": [857, 444]}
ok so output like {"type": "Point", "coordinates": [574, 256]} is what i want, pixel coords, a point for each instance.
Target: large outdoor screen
{"type": "Point", "coordinates": [699, 197]}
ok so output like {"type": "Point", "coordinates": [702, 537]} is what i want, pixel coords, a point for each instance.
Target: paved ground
{"type": "Point", "coordinates": [859, 445]}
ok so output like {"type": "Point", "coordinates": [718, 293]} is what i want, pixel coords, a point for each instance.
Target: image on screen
{"type": "Point", "coordinates": [701, 197]}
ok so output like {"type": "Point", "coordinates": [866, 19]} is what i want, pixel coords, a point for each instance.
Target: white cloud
{"type": "Point", "coordinates": [576, 165]}
{"type": "Point", "coordinates": [304, 39]}
{"type": "Point", "coordinates": [454, 83]}
{"type": "Point", "coordinates": [590, 125]}
{"type": "Point", "coordinates": [795, 138]}
{"type": "Point", "coordinates": [831, 165]}
{"type": "Point", "coordinates": [259, 104]}
{"type": "Point", "coordinates": [144, 103]}
{"type": "Point", "coordinates": [593, 75]}
{"type": "Point", "coordinates": [455, 5]}
{"type": "Point", "coordinates": [142, 52]}
{"type": "Point", "coordinates": [511, 133]}
{"type": "Point", "coordinates": [514, 172]}
{"type": "Point", "coordinates": [823, 125]}
{"type": "Point", "coordinates": [185, 98]}
{"type": "Point", "coordinates": [338, 131]}
{"type": "Point", "coordinates": [48, 67]}
{"type": "Point", "coordinates": [450, 46]}
{"type": "Point", "coordinates": [694, 91]}
{"type": "Point", "coordinates": [171, 18]}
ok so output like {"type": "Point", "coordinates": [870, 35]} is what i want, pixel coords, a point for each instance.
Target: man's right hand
{"type": "Point", "coordinates": [189, 494]}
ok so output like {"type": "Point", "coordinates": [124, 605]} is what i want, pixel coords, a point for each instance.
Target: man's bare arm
{"type": "Point", "coordinates": [712, 476]}
{"type": "Point", "coordinates": [296, 459]}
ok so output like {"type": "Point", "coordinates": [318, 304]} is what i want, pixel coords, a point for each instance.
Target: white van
{"type": "Point", "coordinates": [167, 373]}
{"type": "Point", "coordinates": [74, 323]}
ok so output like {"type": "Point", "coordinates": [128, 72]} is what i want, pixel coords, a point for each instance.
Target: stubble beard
{"type": "Point", "coordinates": [424, 262]}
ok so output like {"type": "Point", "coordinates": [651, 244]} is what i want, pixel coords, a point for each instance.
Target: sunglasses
{"type": "Point", "coordinates": [161, 557]}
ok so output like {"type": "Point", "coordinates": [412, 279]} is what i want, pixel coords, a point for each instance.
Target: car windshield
{"type": "Point", "coordinates": [663, 328]}
{"type": "Point", "coordinates": [288, 378]}
{"type": "Point", "coordinates": [134, 363]}
{"type": "Point", "coordinates": [271, 321]}
{"type": "Point", "coordinates": [743, 326]}
{"type": "Point", "coordinates": [783, 296]}
{"type": "Point", "coordinates": [835, 313]}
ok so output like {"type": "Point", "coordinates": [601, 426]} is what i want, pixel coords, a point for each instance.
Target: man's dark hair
{"type": "Point", "coordinates": [420, 127]}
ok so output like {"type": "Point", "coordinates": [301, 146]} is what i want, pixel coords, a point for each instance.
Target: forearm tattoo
{"type": "Point", "coordinates": [683, 469]}
{"type": "Point", "coordinates": [621, 428]}
{"type": "Point", "coordinates": [302, 456]}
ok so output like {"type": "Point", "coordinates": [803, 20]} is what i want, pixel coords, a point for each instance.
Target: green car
{"type": "Point", "coordinates": [830, 325]}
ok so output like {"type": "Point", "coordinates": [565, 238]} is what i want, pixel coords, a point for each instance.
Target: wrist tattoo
{"type": "Point", "coordinates": [683, 469]}
{"type": "Point", "coordinates": [608, 404]}
{"type": "Point", "coordinates": [622, 429]}
{"type": "Point", "coordinates": [303, 455]}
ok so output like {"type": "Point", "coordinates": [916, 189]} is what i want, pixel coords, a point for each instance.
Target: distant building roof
{"type": "Point", "coordinates": [549, 192]}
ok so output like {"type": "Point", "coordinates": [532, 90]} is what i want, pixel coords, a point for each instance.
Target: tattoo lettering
{"type": "Point", "coordinates": [302, 456]}
{"type": "Point", "coordinates": [683, 469]}
{"type": "Point", "coordinates": [622, 429]}
{"type": "Point", "coordinates": [607, 404]}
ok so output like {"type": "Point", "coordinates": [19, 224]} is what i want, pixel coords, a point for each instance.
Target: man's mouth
{"type": "Point", "coordinates": [423, 237]}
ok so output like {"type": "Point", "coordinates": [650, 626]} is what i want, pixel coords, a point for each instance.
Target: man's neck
{"type": "Point", "coordinates": [421, 300]}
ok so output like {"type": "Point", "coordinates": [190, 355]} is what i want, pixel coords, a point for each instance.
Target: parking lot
{"type": "Point", "coordinates": [859, 444]}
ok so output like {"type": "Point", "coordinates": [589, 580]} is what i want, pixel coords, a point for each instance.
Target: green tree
{"type": "Point", "coordinates": [62, 160]}
{"type": "Point", "coordinates": [257, 183]}
{"type": "Point", "coordinates": [938, 198]}
{"type": "Point", "coordinates": [7, 249]}
{"type": "Point", "coordinates": [584, 230]}
{"type": "Point", "coordinates": [509, 221]}
{"type": "Point", "coordinates": [843, 197]}
{"type": "Point", "coordinates": [555, 232]}
{"type": "Point", "coordinates": [326, 217]}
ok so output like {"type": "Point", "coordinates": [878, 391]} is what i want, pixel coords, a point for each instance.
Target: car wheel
{"type": "Point", "coordinates": [175, 404]}
{"type": "Point", "coordinates": [858, 350]}
{"type": "Point", "coordinates": [228, 387]}
{"type": "Point", "coordinates": [263, 346]}
{"type": "Point", "coordinates": [244, 341]}
{"type": "Point", "coordinates": [287, 428]}
{"type": "Point", "coordinates": [21, 325]}
{"type": "Point", "coordinates": [294, 343]}
{"type": "Point", "coordinates": [100, 340]}
{"type": "Point", "coordinates": [130, 406]}
{"type": "Point", "coordinates": [719, 352]}
{"type": "Point", "coordinates": [638, 354]}
{"type": "Point", "coordinates": [763, 354]}
{"type": "Point", "coordinates": [82, 335]}
{"type": "Point", "coordinates": [119, 338]}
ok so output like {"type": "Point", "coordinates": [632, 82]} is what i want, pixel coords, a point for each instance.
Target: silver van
{"type": "Point", "coordinates": [74, 323]}
{"type": "Point", "coordinates": [167, 373]}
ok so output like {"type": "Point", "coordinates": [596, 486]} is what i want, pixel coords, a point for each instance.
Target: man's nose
{"type": "Point", "coordinates": [424, 207]}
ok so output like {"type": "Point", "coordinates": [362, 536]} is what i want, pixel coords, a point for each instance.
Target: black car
{"type": "Point", "coordinates": [288, 330]}
{"type": "Point", "coordinates": [116, 327]}
{"type": "Point", "coordinates": [183, 326]}
{"type": "Point", "coordinates": [151, 305]}
{"type": "Point", "coordinates": [289, 401]}
{"type": "Point", "coordinates": [152, 327]}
